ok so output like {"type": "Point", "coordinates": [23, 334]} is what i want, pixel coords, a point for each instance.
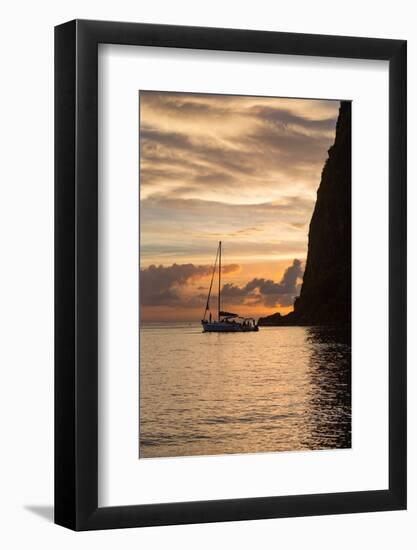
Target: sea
{"type": "Point", "coordinates": [279, 389]}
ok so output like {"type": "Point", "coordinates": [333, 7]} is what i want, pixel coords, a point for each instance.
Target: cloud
{"type": "Point", "coordinates": [267, 292]}
{"type": "Point", "coordinates": [159, 285]}
{"type": "Point", "coordinates": [166, 286]}
{"type": "Point", "coordinates": [240, 169]}
{"type": "Point", "coordinates": [203, 146]}
{"type": "Point", "coordinates": [285, 118]}
{"type": "Point", "coordinates": [170, 106]}
{"type": "Point", "coordinates": [189, 228]}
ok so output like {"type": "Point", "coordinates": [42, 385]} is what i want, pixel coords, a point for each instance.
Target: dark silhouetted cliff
{"type": "Point", "coordinates": [325, 297]}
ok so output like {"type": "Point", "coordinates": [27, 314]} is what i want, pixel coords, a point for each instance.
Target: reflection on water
{"type": "Point", "coordinates": [280, 389]}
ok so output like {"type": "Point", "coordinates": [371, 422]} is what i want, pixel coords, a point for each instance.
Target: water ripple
{"type": "Point", "coordinates": [283, 388]}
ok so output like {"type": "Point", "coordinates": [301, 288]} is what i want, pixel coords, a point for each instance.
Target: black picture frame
{"type": "Point", "coordinates": [76, 272]}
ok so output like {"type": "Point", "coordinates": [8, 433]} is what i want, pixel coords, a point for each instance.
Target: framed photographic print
{"type": "Point", "coordinates": [230, 275]}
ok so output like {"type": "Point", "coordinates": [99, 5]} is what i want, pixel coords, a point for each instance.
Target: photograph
{"type": "Point", "coordinates": [208, 337]}
{"type": "Point", "coordinates": [245, 274]}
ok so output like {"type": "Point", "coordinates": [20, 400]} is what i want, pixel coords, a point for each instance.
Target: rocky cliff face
{"type": "Point", "coordinates": [325, 297]}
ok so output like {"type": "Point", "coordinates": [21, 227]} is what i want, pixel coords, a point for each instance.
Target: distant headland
{"type": "Point", "coordinates": [325, 297]}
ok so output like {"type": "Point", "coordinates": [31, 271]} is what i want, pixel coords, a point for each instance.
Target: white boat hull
{"type": "Point", "coordinates": [221, 326]}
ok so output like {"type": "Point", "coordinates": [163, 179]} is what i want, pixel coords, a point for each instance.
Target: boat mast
{"type": "Point", "coordinates": [220, 278]}
{"type": "Point", "coordinates": [211, 285]}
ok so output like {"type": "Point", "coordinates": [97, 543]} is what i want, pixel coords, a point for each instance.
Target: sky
{"type": "Point", "coordinates": [240, 169]}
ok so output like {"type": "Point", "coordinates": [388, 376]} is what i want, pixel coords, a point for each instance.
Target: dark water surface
{"type": "Point", "coordinates": [279, 389]}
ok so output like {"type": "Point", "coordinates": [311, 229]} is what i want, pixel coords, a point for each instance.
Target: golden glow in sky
{"type": "Point", "coordinates": [240, 169]}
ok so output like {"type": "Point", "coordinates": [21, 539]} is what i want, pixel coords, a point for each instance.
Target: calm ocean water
{"type": "Point", "coordinates": [279, 389]}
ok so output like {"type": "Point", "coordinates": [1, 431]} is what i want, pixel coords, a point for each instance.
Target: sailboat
{"type": "Point", "coordinates": [226, 321]}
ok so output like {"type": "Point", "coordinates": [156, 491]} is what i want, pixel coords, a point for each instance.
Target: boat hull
{"type": "Point", "coordinates": [217, 326]}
